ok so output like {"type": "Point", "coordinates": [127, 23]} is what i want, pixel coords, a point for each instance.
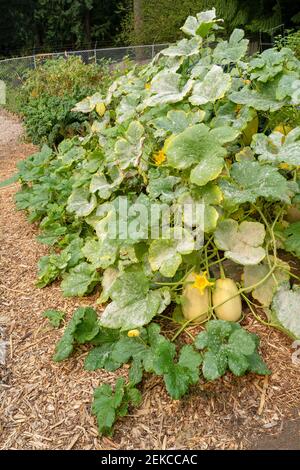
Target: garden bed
{"type": "Point", "coordinates": [45, 405]}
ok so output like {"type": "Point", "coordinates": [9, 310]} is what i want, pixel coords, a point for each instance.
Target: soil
{"type": "Point", "coordinates": [45, 405]}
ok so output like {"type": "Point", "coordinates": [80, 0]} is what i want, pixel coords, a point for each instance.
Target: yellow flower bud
{"type": "Point", "coordinates": [133, 333]}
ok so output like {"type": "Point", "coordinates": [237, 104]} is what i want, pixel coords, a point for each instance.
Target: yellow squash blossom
{"type": "Point", "coordinates": [159, 157]}
{"type": "Point", "coordinates": [133, 333]}
{"type": "Point", "coordinates": [201, 282]}
{"type": "Point", "coordinates": [285, 166]}
{"type": "Point", "coordinates": [100, 108]}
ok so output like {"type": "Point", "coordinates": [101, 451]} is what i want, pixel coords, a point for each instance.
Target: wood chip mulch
{"type": "Point", "coordinates": [44, 405]}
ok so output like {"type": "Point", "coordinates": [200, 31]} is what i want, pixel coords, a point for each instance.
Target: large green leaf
{"type": "Point", "coordinates": [288, 86]}
{"type": "Point", "coordinates": [241, 342]}
{"type": "Point", "coordinates": [227, 345]}
{"type": "Point", "coordinates": [80, 280]}
{"type": "Point", "coordinates": [127, 108]}
{"type": "Point", "coordinates": [185, 48]}
{"type": "Point", "coordinates": [133, 304]}
{"type": "Point", "coordinates": [101, 358]}
{"type": "Point", "coordinates": [251, 180]}
{"type": "Point", "coordinates": [192, 146]}
{"type": "Point", "coordinates": [285, 308]}
{"type": "Point", "coordinates": [225, 134]}
{"type": "Point", "coordinates": [100, 185]}
{"type": "Point", "coordinates": [201, 24]}
{"type": "Point", "coordinates": [129, 287]}
{"type": "Point", "coordinates": [161, 185]}
{"type": "Point", "coordinates": [212, 366]}
{"type": "Point", "coordinates": [81, 202]}
{"type": "Point", "coordinates": [270, 63]}
{"type": "Point", "coordinates": [89, 103]}
{"type": "Point", "coordinates": [176, 121]}
{"type": "Point", "coordinates": [73, 155]}
{"type": "Point", "coordinates": [105, 404]}
{"type": "Point", "coordinates": [277, 148]}
{"type": "Point", "coordinates": [128, 149]}
{"type": "Point", "coordinates": [165, 88]}
{"type": "Point", "coordinates": [232, 50]}
{"type": "Point", "coordinates": [82, 328]}
{"type": "Point", "coordinates": [213, 87]}
{"type": "Point", "coordinates": [135, 314]}
{"type": "Point", "coordinates": [292, 241]}
{"type": "Point", "coordinates": [229, 114]}
{"type": "Point", "coordinates": [255, 99]}
{"type": "Point", "coordinates": [207, 170]}
{"type": "Point", "coordinates": [180, 375]}
{"type": "Point", "coordinates": [241, 243]}
{"type": "Point", "coordinates": [52, 234]}
{"type": "Point", "coordinates": [165, 255]}
{"type": "Point", "coordinates": [209, 194]}
{"type": "Point", "coordinates": [264, 292]}
{"type": "Point", "coordinates": [50, 267]}
{"type": "Point", "coordinates": [237, 363]}
{"type": "Point", "coordinates": [101, 253]}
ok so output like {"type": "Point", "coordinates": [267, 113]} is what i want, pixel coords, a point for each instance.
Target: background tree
{"type": "Point", "coordinates": [162, 20]}
{"type": "Point", "coordinates": [49, 25]}
{"type": "Point", "coordinates": [58, 25]}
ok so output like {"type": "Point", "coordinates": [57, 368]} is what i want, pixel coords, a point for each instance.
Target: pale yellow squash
{"type": "Point", "coordinates": [293, 214]}
{"type": "Point", "coordinates": [250, 130]}
{"type": "Point", "coordinates": [195, 305]}
{"type": "Point", "coordinates": [231, 309]}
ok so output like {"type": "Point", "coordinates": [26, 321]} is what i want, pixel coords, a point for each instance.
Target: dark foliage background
{"type": "Point", "coordinates": [34, 26]}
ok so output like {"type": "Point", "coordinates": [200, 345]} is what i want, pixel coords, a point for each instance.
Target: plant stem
{"type": "Point", "coordinates": [183, 327]}
{"type": "Point", "coordinates": [217, 261]}
{"type": "Point", "coordinates": [289, 272]}
{"type": "Point", "coordinates": [181, 281]}
{"type": "Point", "coordinates": [222, 272]}
{"type": "Point", "coordinates": [270, 324]}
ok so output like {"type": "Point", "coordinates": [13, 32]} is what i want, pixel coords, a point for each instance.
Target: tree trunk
{"type": "Point", "coordinates": [138, 17]}
{"type": "Point", "coordinates": [138, 27]}
{"type": "Point", "coordinates": [87, 27]}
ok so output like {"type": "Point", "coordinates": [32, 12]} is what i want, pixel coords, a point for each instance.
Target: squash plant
{"type": "Point", "coordinates": [195, 126]}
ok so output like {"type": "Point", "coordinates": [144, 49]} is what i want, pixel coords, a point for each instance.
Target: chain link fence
{"type": "Point", "coordinates": [13, 71]}
{"type": "Point", "coordinates": [267, 40]}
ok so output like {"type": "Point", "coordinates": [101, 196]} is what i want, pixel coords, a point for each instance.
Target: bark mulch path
{"type": "Point", "coordinates": [44, 405]}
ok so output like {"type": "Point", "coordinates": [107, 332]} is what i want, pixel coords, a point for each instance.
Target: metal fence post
{"type": "Point", "coordinates": [95, 52]}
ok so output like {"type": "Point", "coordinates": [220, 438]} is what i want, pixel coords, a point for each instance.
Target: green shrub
{"type": "Point", "coordinates": [292, 40]}
{"type": "Point", "coordinates": [14, 99]}
{"type": "Point", "coordinates": [49, 119]}
{"type": "Point", "coordinates": [50, 92]}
